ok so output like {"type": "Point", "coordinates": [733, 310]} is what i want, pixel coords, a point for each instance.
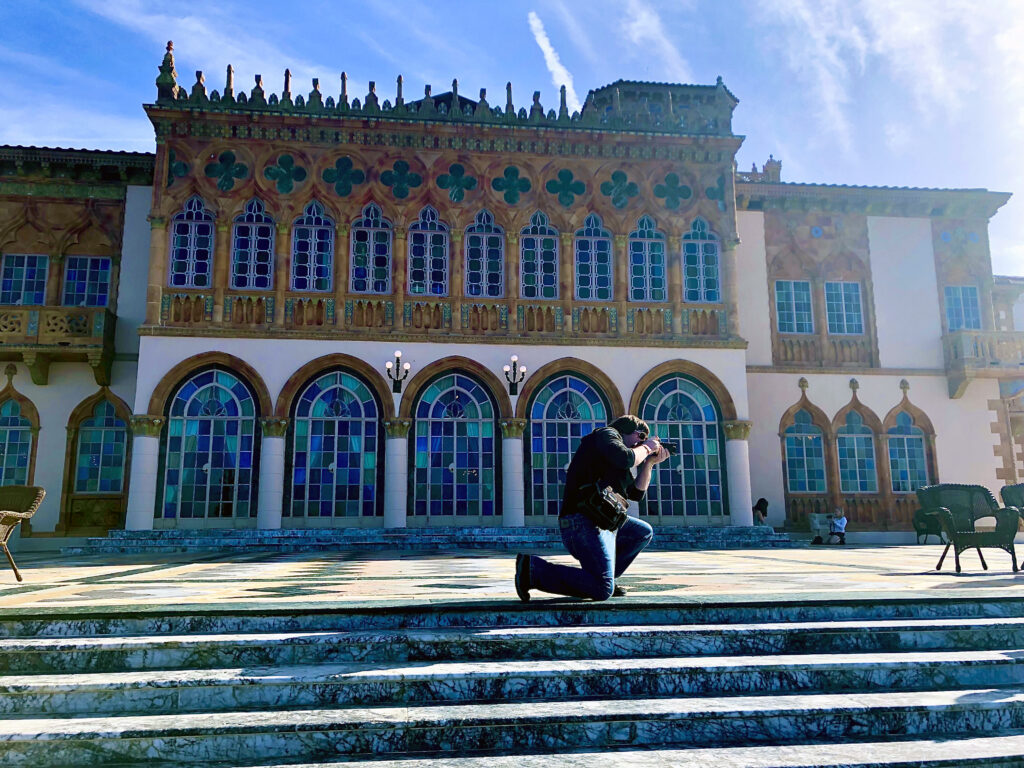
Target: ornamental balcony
{"type": "Point", "coordinates": [38, 335]}
{"type": "Point", "coordinates": [981, 355]}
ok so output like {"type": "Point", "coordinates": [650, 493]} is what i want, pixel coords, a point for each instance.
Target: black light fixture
{"type": "Point", "coordinates": [397, 372]}
{"type": "Point", "coordinates": [514, 375]}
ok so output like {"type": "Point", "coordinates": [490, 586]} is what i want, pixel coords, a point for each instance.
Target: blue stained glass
{"type": "Point", "coordinates": [86, 281]}
{"type": "Point", "coordinates": [538, 259]}
{"type": "Point", "coordinates": [191, 250]}
{"type": "Point", "coordinates": [15, 444]}
{"type": "Point", "coordinates": [856, 448]}
{"type": "Point", "coordinates": [805, 455]}
{"type": "Point", "coordinates": [701, 279]}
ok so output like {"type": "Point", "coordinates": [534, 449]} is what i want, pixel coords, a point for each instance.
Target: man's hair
{"type": "Point", "coordinates": [628, 424]}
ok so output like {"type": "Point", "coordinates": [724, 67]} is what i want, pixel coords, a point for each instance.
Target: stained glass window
{"type": "Point", "coordinates": [428, 255]}
{"type": "Point", "coordinates": [701, 280]}
{"type": "Point", "coordinates": [793, 306]}
{"type": "Point", "coordinates": [456, 451]}
{"type": "Point", "coordinates": [371, 252]}
{"type": "Point", "coordinates": [855, 446]}
{"type": "Point", "coordinates": [648, 280]}
{"type": "Point", "coordinates": [15, 444]}
{"type": "Point", "coordinates": [252, 252]}
{"type": "Point", "coordinates": [192, 245]}
{"type": "Point", "coordinates": [563, 412]}
{"type": "Point", "coordinates": [86, 281]}
{"type": "Point", "coordinates": [24, 280]}
{"type": "Point", "coordinates": [485, 258]}
{"type": "Point", "coordinates": [842, 308]}
{"type": "Point", "coordinates": [593, 261]}
{"type": "Point", "coordinates": [209, 451]}
{"type": "Point", "coordinates": [99, 466]}
{"type": "Point", "coordinates": [689, 484]}
{"type": "Point", "coordinates": [907, 463]}
{"type": "Point", "coordinates": [805, 455]}
{"type": "Point", "coordinates": [962, 308]}
{"type": "Point", "coordinates": [313, 250]}
{"type": "Point", "coordinates": [538, 259]}
{"type": "Point", "coordinates": [335, 449]}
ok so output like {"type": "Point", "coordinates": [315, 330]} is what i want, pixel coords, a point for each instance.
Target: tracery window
{"type": "Point", "coordinates": [456, 451]}
{"type": "Point", "coordinates": [86, 281]}
{"type": "Point", "coordinates": [907, 455]}
{"type": "Point", "coordinates": [313, 250]}
{"type": "Point", "coordinates": [563, 412]}
{"type": "Point", "coordinates": [793, 306]}
{"type": "Point", "coordinates": [963, 311]}
{"type": "Point", "coordinates": [428, 255]}
{"type": "Point", "coordinates": [210, 450]}
{"type": "Point", "coordinates": [843, 308]}
{"type": "Point", "coordinates": [335, 449]}
{"type": "Point", "coordinates": [192, 246]}
{"type": "Point", "coordinates": [101, 450]}
{"type": "Point", "coordinates": [485, 258]}
{"type": "Point", "coordinates": [805, 455]}
{"type": "Point", "coordinates": [15, 444]}
{"type": "Point", "coordinates": [593, 246]}
{"type": "Point", "coordinates": [372, 237]}
{"type": "Point", "coordinates": [647, 272]}
{"type": "Point", "coordinates": [252, 252]}
{"type": "Point", "coordinates": [701, 278]}
{"type": "Point", "coordinates": [855, 446]}
{"type": "Point", "coordinates": [538, 259]}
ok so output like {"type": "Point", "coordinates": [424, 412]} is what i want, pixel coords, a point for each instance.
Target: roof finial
{"type": "Point", "coordinates": [229, 85]}
{"type": "Point", "coordinates": [854, 385]}
{"type": "Point", "coordinates": [11, 370]}
{"type": "Point", "coordinates": [509, 108]}
{"type": "Point", "coordinates": [803, 385]}
{"type": "Point", "coordinates": [343, 101]}
{"type": "Point", "coordinates": [287, 85]}
{"type": "Point", "coordinates": [904, 386]}
{"type": "Point", "coordinates": [399, 100]}
{"type": "Point", "coordinates": [167, 80]}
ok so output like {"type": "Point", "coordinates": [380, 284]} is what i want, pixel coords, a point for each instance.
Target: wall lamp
{"type": "Point", "coordinates": [514, 375]}
{"type": "Point", "coordinates": [397, 372]}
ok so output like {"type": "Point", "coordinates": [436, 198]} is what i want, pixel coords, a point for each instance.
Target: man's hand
{"type": "Point", "coordinates": [658, 452]}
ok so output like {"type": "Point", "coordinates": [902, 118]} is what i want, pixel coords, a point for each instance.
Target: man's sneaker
{"type": "Point", "coordinates": [523, 577]}
{"type": "Point", "coordinates": [619, 591]}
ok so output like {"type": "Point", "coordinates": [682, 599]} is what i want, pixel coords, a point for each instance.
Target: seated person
{"type": "Point", "coordinates": [837, 526]}
{"type": "Point", "coordinates": [761, 512]}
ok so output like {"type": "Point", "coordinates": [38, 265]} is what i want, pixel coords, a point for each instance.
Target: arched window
{"type": "Point", "coordinates": [210, 450]}
{"type": "Point", "coordinates": [313, 250]}
{"type": "Point", "coordinates": [192, 245]}
{"type": "Point", "coordinates": [690, 484]}
{"type": "Point", "coordinates": [562, 413]}
{"type": "Point", "coordinates": [648, 277]}
{"type": "Point", "coordinates": [428, 255]}
{"type": "Point", "coordinates": [538, 259]}
{"type": "Point", "coordinates": [252, 252]}
{"type": "Point", "coordinates": [371, 252]}
{"type": "Point", "coordinates": [485, 258]}
{"type": "Point", "coordinates": [805, 455]}
{"type": "Point", "coordinates": [16, 435]}
{"type": "Point", "coordinates": [855, 447]}
{"type": "Point", "coordinates": [456, 451]}
{"type": "Point", "coordinates": [907, 455]}
{"type": "Point", "coordinates": [701, 281]}
{"type": "Point", "coordinates": [335, 449]}
{"type": "Point", "coordinates": [101, 450]}
{"type": "Point", "coordinates": [593, 261]}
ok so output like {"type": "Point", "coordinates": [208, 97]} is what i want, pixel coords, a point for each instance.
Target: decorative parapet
{"type": "Point", "coordinates": [40, 335]}
{"type": "Point", "coordinates": [72, 173]}
{"type": "Point", "coordinates": [274, 427]}
{"type": "Point", "coordinates": [513, 429]}
{"type": "Point", "coordinates": [144, 425]}
{"type": "Point", "coordinates": [981, 354]}
{"type": "Point", "coordinates": [397, 427]}
{"type": "Point", "coordinates": [737, 430]}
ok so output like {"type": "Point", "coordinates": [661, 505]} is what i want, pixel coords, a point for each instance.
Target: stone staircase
{"type": "Point", "coordinates": [406, 539]}
{"type": "Point", "coordinates": [894, 682]}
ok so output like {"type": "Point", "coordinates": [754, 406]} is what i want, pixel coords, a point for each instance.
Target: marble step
{"type": "Point", "coordinates": [57, 655]}
{"type": "Point", "coordinates": [314, 734]}
{"type": "Point", "coordinates": [348, 685]}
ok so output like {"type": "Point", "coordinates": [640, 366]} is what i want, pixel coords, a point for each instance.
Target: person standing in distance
{"type": "Point", "coordinates": [606, 455]}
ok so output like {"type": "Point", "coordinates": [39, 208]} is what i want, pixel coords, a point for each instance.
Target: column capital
{"type": "Point", "coordinates": [675, 243]}
{"type": "Point", "coordinates": [567, 238]}
{"type": "Point", "coordinates": [737, 430]}
{"type": "Point", "coordinates": [512, 238]}
{"type": "Point", "coordinates": [274, 427]}
{"type": "Point", "coordinates": [620, 241]}
{"type": "Point", "coordinates": [513, 428]}
{"type": "Point", "coordinates": [456, 235]}
{"type": "Point", "coordinates": [397, 427]}
{"type": "Point", "coordinates": [223, 226]}
{"type": "Point", "coordinates": [144, 425]}
{"type": "Point", "coordinates": [157, 222]}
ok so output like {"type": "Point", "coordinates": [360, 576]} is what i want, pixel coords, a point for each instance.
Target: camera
{"type": "Point", "coordinates": [671, 447]}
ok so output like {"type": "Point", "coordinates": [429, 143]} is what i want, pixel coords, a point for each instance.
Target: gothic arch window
{"type": "Point", "coordinates": [538, 259]}
{"type": "Point", "coordinates": [372, 237]}
{"type": "Point", "coordinates": [593, 266]}
{"type": "Point", "coordinates": [209, 449]}
{"type": "Point", "coordinates": [313, 250]}
{"type": "Point", "coordinates": [855, 449]}
{"type": "Point", "coordinates": [252, 249]}
{"type": "Point", "coordinates": [804, 444]}
{"type": "Point", "coordinates": [428, 255]}
{"type": "Point", "coordinates": [456, 453]}
{"type": "Point", "coordinates": [648, 275]}
{"type": "Point", "coordinates": [701, 264]}
{"type": "Point", "coordinates": [191, 259]}
{"type": "Point", "coordinates": [563, 412]}
{"type": "Point", "coordinates": [485, 258]}
{"type": "Point", "coordinates": [101, 451]}
{"type": "Point", "coordinates": [908, 455]}
{"type": "Point", "coordinates": [17, 435]}
{"type": "Point", "coordinates": [335, 449]}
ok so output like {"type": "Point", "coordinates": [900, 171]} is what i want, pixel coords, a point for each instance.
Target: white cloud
{"type": "Point", "coordinates": [576, 33]}
{"type": "Point", "coordinates": [55, 124]}
{"type": "Point", "coordinates": [897, 137]}
{"type": "Point", "coordinates": [645, 29]}
{"type": "Point", "coordinates": [559, 74]}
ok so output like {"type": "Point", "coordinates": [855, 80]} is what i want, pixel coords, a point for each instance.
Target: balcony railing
{"type": "Point", "coordinates": [40, 335]}
{"type": "Point", "coordinates": [981, 354]}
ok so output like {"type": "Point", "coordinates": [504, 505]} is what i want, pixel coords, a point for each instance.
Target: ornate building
{"type": "Point", "coordinates": [216, 324]}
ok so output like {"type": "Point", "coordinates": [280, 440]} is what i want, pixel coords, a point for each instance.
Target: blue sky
{"type": "Point", "coordinates": [877, 92]}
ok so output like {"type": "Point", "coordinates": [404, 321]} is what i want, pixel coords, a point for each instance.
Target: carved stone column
{"type": "Point", "coordinates": [737, 463]}
{"type": "Point", "coordinates": [271, 490]}
{"type": "Point", "coordinates": [400, 257]}
{"type": "Point", "coordinates": [512, 279]}
{"type": "Point", "coordinates": [620, 272]}
{"type": "Point", "coordinates": [566, 279]}
{"type": "Point", "coordinates": [730, 288]}
{"type": "Point", "coordinates": [341, 270]}
{"type": "Point", "coordinates": [221, 257]}
{"type": "Point", "coordinates": [513, 481]}
{"type": "Point", "coordinates": [282, 270]}
{"type": "Point", "coordinates": [674, 262]}
{"type": "Point", "coordinates": [145, 469]}
{"type": "Point", "coordinates": [456, 278]}
{"type": "Point", "coordinates": [396, 472]}
{"type": "Point", "coordinates": [157, 268]}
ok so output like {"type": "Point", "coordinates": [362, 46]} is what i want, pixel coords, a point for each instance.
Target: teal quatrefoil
{"type": "Point", "coordinates": [285, 174]}
{"type": "Point", "coordinates": [717, 193]}
{"type": "Point", "coordinates": [176, 169]}
{"type": "Point", "coordinates": [456, 182]}
{"type": "Point", "coordinates": [226, 170]}
{"type": "Point", "coordinates": [565, 187]}
{"type": "Point", "coordinates": [673, 192]}
{"type": "Point", "coordinates": [401, 179]}
{"type": "Point", "coordinates": [344, 176]}
{"type": "Point", "coordinates": [512, 184]}
{"type": "Point", "coordinates": [619, 189]}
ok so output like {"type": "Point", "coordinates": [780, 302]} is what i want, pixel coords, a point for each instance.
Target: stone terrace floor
{"type": "Point", "coordinates": [351, 579]}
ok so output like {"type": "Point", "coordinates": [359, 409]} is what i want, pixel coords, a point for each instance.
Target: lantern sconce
{"type": "Point", "coordinates": [514, 375]}
{"type": "Point", "coordinates": [397, 372]}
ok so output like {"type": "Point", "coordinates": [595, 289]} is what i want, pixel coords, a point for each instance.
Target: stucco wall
{"type": "Point", "coordinates": [131, 298]}
{"type": "Point", "coordinates": [752, 288]}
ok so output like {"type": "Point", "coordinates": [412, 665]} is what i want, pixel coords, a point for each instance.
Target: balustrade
{"type": "Point", "coordinates": [39, 335]}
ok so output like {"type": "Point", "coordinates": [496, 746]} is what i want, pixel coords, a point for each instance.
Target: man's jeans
{"type": "Point", "coordinates": [603, 556]}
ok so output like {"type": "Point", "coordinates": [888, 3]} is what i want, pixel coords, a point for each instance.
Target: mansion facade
{"type": "Point", "coordinates": [311, 311]}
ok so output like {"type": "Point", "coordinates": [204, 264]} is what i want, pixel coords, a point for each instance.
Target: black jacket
{"type": "Point", "coordinates": [601, 456]}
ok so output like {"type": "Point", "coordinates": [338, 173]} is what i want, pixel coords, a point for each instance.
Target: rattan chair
{"type": "Point", "coordinates": [17, 503]}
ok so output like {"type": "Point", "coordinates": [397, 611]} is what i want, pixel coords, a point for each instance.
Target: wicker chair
{"type": "Point", "coordinates": [17, 503]}
{"type": "Point", "coordinates": [1013, 495]}
{"type": "Point", "coordinates": [958, 507]}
